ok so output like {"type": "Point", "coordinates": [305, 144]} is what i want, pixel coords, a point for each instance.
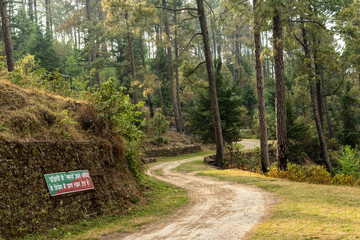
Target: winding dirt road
{"type": "Point", "coordinates": [217, 210]}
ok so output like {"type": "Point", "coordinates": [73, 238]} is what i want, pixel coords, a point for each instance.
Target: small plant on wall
{"type": "Point", "coordinates": [160, 125]}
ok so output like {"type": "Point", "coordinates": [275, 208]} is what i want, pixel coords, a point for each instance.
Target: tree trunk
{"type": "Point", "coordinates": [35, 12]}
{"type": "Point", "coordinates": [318, 87]}
{"type": "Point", "coordinates": [50, 18]}
{"type": "Point", "coordinates": [319, 128]}
{"type": "Point", "coordinates": [219, 51]}
{"type": "Point", "coordinates": [30, 9]}
{"type": "Point", "coordinates": [238, 57]}
{"type": "Point", "coordinates": [157, 42]}
{"type": "Point", "coordinates": [75, 38]}
{"type": "Point", "coordinates": [326, 111]}
{"type": "Point", "coordinates": [47, 15]}
{"type": "Point", "coordinates": [280, 107]}
{"type": "Point", "coordinates": [324, 151]}
{"type": "Point", "coordinates": [260, 92]}
{"type": "Point", "coordinates": [212, 84]}
{"type": "Point", "coordinates": [171, 71]}
{"type": "Point", "coordinates": [88, 18]}
{"type": "Point", "coordinates": [176, 68]}
{"type": "Point", "coordinates": [161, 99]}
{"type": "Point", "coordinates": [7, 36]}
{"type": "Point", "coordinates": [151, 110]}
{"type": "Point", "coordinates": [132, 57]}
{"type": "Point", "coordinates": [214, 42]}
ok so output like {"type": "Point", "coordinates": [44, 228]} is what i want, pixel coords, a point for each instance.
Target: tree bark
{"type": "Point", "coordinates": [326, 111]}
{"type": "Point", "coordinates": [260, 93]}
{"type": "Point", "coordinates": [214, 42]}
{"type": "Point", "coordinates": [212, 84]}
{"type": "Point", "coordinates": [318, 88]}
{"type": "Point", "coordinates": [157, 42]}
{"type": "Point", "coordinates": [30, 10]}
{"type": "Point", "coordinates": [7, 36]}
{"type": "Point", "coordinates": [319, 128]}
{"type": "Point", "coordinates": [151, 110]}
{"type": "Point", "coordinates": [132, 57]}
{"type": "Point", "coordinates": [47, 15]}
{"type": "Point", "coordinates": [280, 106]}
{"type": "Point", "coordinates": [176, 48]}
{"type": "Point", "coordinates": [171, 71]}
{"type": "Point", "coordinates": [35, 12]}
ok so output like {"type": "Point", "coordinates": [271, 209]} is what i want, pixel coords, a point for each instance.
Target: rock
{"type": "Point", "coordinates": [148, 160]}
{"type": "Point", "coordinates": [210, 160]}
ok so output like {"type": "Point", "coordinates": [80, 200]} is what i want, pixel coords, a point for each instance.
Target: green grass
{"type": "Point", "coordinates": [164, 199]}
{"type": "Point", "coordinates": [304, 211]}
{"type": "Point", "coordinates": [193, 166]}
{"type": "Point", "coordinates": [158, 172]}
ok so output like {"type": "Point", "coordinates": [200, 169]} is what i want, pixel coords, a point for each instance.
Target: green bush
{"type": "Point", "coordinates": [236, 158]}
{"type": "Point", "coordinates": [349, 162]}
{"type": "Point", "coordinates": [121, 116]}
{"type": "Point", "coordinates": [159, 125]}
{"type": "Point", "coordinates": [314, 174]}
{"type": "Point", "coordinates": [28, 73]}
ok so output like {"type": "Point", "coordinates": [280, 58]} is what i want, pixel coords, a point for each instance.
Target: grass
{"type": "Point", "coordinates": [305, 211]}
{"type": "Point", "coordinates": [158, 172]}
{"type": "Point", "coordinates": [164, 199]}
{"type": "Point", "coordinates": [193, 166]}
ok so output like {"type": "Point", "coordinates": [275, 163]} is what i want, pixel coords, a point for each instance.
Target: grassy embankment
{"type": "Point", "coordinates": [163, 200]}
{"type": "Point", "coordinates": [304, 211]}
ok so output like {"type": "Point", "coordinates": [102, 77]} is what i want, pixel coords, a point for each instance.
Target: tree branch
{"type": "Point", "coordinates": [188, 75]}
{"type": "Point", "coordinates": [178, 9]}
{"type": "Point", "coordinates": [309, 21]}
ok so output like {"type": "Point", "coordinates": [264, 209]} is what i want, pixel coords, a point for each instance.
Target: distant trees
{"type": "Point", "coordinates": [163, 52]}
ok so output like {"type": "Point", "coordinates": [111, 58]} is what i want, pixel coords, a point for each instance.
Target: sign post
{"type": "Point", "coordinates": [62, 183]}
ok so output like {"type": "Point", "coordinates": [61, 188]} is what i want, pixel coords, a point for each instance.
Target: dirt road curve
{"type": "Point", "coordinates": [248, 145]}
{"type": "Point", "coordinates": [218, 210]}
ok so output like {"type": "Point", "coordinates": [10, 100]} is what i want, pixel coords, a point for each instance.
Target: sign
{"type": "Point", "coordinates": [62, 183]}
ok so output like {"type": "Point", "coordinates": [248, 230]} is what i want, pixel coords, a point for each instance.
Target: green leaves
{"type": "Point", "coordinates": [117, 110]}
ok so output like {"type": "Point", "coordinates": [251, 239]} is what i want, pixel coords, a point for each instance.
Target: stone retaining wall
{"type": "Point", "coordinates": [25, 203]}
{"type": "Point", "coordinates": [171, 151]}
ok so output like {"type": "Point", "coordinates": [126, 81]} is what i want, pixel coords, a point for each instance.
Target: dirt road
{"type": "Point", "coordinates": [218, 210]}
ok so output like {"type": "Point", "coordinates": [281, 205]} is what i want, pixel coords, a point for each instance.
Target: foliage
{"type": "Point", "coordinates": [314, 174]}
{"type": "Point", "coordinates": [200, 117]}
{"type": "Point", "coordinates": [248, 161]}
{"type": "Point", "coordinates": [160, 125]}
{"type": "Point", "coordinates": [28, 73]}
{"type": "Point", "coordinates": [350, 134]}
{"type": "Point", "coordinates": [64, 124]}
{"type": "Point", "coordinates": [349, 162]}
{"type": "Point", "coordinates": [120, 115]}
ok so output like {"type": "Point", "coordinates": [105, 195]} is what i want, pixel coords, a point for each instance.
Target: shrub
{"type": "Point", "coordinates": [121, 116]}
{"type": "Point", "coordinates": [349, 162]}
{"type": "Point", "coordinates": [28, 73]}
{"type": "Point", "coordinates": [318, 175]}
{"type": "Point", "coordinates": [342, 179]}
{"type": "Point", "coordinates": [160, 125]}
{"type": "Point", "coordinates": [249, 161]}
{"type": "Point", "coordinates": [64, 124]}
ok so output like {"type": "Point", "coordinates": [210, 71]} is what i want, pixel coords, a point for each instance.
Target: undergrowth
{"type": "Point", "coordinates": [346, 172]}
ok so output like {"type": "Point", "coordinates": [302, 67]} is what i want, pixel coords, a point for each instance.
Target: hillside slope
{"type": "Point", "coordinates": [41, 134]}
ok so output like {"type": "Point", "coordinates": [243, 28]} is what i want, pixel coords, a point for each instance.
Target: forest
{"type": "Point", "coordinates": [219, 70]}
